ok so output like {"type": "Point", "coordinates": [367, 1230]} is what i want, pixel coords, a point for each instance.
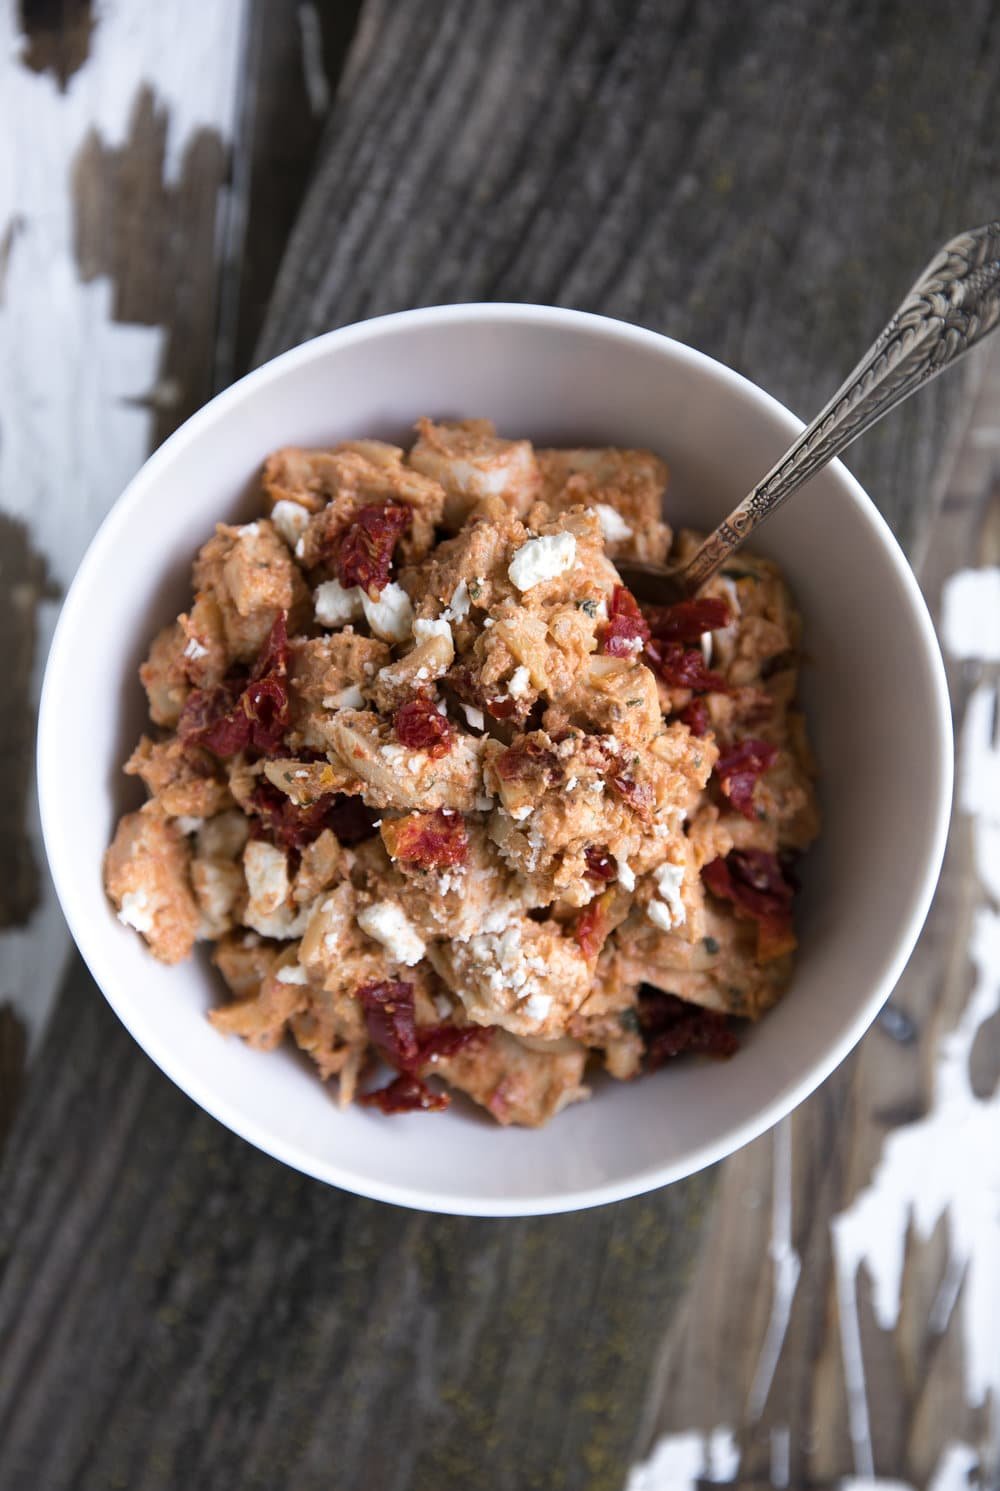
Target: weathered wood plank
{"type": "Point", "coordinates": [176, 1307]}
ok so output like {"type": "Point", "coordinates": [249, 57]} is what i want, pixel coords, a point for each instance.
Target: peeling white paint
{"type": "Point", "coordinates": [680, 1461]}
{"type": "Point", "coordinates": [786, 1267]}
{"type": "Point", "coordinates": [970, 614]}
{"type": "Point", "coordinates": [946, 1165]}
{"type": "Point", "coordinates": [75, 385]}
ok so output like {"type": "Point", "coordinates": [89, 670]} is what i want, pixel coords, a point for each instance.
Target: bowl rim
{"type": "Point", "coordinates": [88, 940]}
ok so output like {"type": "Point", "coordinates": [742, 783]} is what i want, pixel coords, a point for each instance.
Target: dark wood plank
{"type": "Point", "coordinates": [179, 1310]}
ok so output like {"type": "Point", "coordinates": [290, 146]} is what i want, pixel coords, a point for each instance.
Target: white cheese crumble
{"type": "Point", "coordinates": [423, 629]}
{"type": "Point", "coordinates": [188, 825]}
{"type": "Point", "coordinates": [333, 605]}
{"type": "Point", "coordinates": [542, 559]}
{"type": "Point", "coordinates": [669, 910]}
{"type": "Point", "coordinates": [349, 698]}
{"type": "Point", "coordinates": [293, 974]}
{"type": "Point", "coordinates": [391, 616]}
{"type": "Point", "coordinates": [520, 683]}
{"type": "Point", "coordinates": [537, 1006]}
{"type": "Point", "coordinates": [626, 875]}
{"type": "Point", "coordinates": [135, 911]}
{"type": "Point", "coordinates": [475, 717]}
{"type": "Point", "coordinates": [291, 520]}
{"type": "Point", "coordinates": [195, 650]}
{"type": "Point", "coordinates": [613, 525]}
{"type": "Point", "coordinates": [389, 925]}
{"type": "Point", "coordinates": [458, 606]}
{"type": "Point", "coordinates": [249, 530]}
{"type": "Point", "coordinates": [706, 647]}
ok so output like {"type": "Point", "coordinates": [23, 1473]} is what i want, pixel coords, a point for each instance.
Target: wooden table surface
{"type": "Point", "coordinates": [762, 181]}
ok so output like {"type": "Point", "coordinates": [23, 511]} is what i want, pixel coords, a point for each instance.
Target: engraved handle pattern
{"type": "Point", "coordinates": [952, 306]}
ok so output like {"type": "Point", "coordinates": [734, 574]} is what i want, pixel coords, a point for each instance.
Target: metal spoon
{"type": "Point", "coordinates": [952, 306]}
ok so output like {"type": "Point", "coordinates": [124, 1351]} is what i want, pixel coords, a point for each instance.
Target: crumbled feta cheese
{"type": "Point", "coordinates": [389, 925]}
{"type": "Point", "coordinates": [668, 911]}
{"type": "Point", "coordinates": [458, 606]}
{"type": "Point", "coordinates": [602, 609]}
{"type": "Point", "coordinates": [475, 717]}
{"type": "Point", "coordinates": [194, 649]}
{"type": "Point", "coordinates": [266, 869]}
{"type": "Point", "coordinates": [519, 814]}
{"type": "Point", "coordinates": [333, 605]}
{"type": "Point", "coordinates": [249, 530]}
{"type": "Point", "coordinates": [706, 647]}
{"type": "Point", "coordinates": [444, 1006]}
{"type": "Point", "coordinates": [135, 911]}
{"type": "Point", "coordinates": [391, 616]}
{"type": "Point", "coordinates": [300, 548]}
{"type": "Point", "coordinates": [537, 1006]}
{"type": "Point", "coordinates": [613, 525]}
{"type": "Point", "coordinates": [571, 783]}
{"type": "Point", "coordinates": [441, 707]}
{"type": "Point", "coordinates": [188, 825]}
{"type": "Point", "coordinates": [626, 875]}
{"type": "Point", "coordinates": [349, 698]}
{"type": "Point", "coordinates": [393, 753]}
{"type": "Point", "coordinates": [293, 974]}
{"type": "Point", "coordinates": [542, 559]}
{"type": "Point", "coordinates": [423, 629]}
{"type": "Point", "coordinates": [291, 520]}
{"type": "Point", "coordinates": [520, 683]}
{"type": "Point", "coordinates": [488, 621]}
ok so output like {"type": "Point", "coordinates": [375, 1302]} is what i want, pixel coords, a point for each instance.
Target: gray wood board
{"type": "Point", "coordinates": [761, 181]}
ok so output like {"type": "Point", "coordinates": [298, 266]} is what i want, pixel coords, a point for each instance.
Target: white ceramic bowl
{"type": "Point", "coordinates": [875, 694]}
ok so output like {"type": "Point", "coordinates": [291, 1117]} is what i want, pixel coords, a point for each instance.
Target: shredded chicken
{"type": "Point", "coordinates": [443, 797]}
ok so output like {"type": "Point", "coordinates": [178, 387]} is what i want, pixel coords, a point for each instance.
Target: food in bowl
{"type": "Point", "coordinates": [444, 797]}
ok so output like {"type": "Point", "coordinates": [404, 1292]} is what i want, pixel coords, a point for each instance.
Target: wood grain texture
{"type": "Point", "coordinates": [914, 1375]}
{"type": "Point", "coordinates": [763, 181]}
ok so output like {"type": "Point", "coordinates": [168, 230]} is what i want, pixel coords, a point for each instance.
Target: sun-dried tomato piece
{"type": "Point", "coordinates": [739, 768]}
{"type": "Point", "coordinates": [212, 718]}
{"type": "Point", "coordinates": [687, 620]}
{"type": "Point", "coordinates": [273, 656]}
{"type": "Point", "coordinates": [352, 820]}
{"type": "Point", "coordinates": [683, 667]}
{"type": "Point", "coordinates": [601, 866]}
{"type": "Point", "coordinates": [438, 1041]}
{"type": "Point", "coordinates": [672, 1027]}
{"type": "Point", "coordinates": [284, 821]}
{"type": "Point", "coordinates": [593, 925]}
{"type": "Point", "coordinates": [421, 727]}
{"type": "Point", "coordinates": [626, 631]}
{"type": "Point", "coordinates": [266, 705]}
{"type": "Point", "coordinates": [501, 706]}
{"type": "Point", "coordinates": [406, 1094]}
{"type": "Point", "coordinates": [527, 760]}
{"type": "Point", "coordinates": [433, 840]}
{"type": "Point", "coordinates": [695, 716]}
{"type": "Point", "coordinates": [755, 883]}
{"type": "Point", "coordinates": [242, 714]}
{"type": "Point", "coordinates": [366, 549]}
{"type": "Point", "coordinates": [638, 795]}
{"type": "Point", "coordinates": [388, 1007]}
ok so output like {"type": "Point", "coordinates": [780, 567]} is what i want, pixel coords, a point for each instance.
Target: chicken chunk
{"type": "Point", "coordinates": [471, 462]}
{"type": "Point", "coordinates": [624, 487]}
{"type": "Point", "coordinates": [249, 574]}
{"type": "Point", "coordinates": [146, 874]}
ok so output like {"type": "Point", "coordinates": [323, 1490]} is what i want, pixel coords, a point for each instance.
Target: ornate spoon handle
{"type": "Point", "coordinates": [952, 306]}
